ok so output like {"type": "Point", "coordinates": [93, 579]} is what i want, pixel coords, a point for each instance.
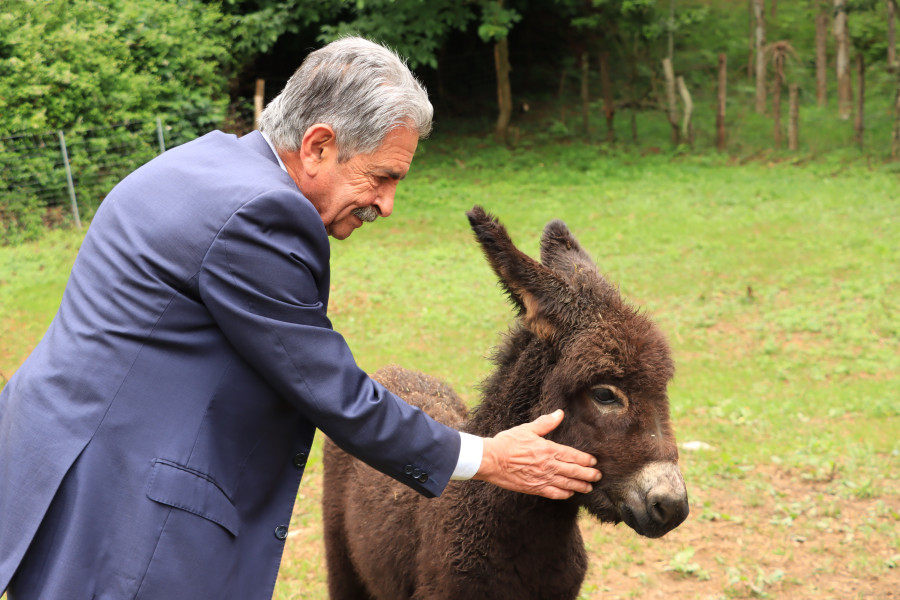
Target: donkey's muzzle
{"type": "Point", "coordinates": [655, 500]}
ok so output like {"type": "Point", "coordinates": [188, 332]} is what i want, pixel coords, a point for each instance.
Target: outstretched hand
{"type": "Point", "coordinates": [521, 460]}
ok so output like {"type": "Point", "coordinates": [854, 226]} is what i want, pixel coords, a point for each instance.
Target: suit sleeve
{"type": "Point", "coordinates": [262, 280]}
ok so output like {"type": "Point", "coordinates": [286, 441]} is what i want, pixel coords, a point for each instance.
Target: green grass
{"type": "Point", "coordinates": [777, 285]}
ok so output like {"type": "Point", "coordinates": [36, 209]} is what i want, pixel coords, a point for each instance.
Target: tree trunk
{"type": "Point", "coordinates": [632, 77]}
{"type": "Point", "coordinates": [504, 90]}
{"type": "Point", "coordinates": [794, 119]}
{"type": "Point", "coordinates": [687, 128]}
{"type": "Point", "coordinates": [776, 97]}
{"type": "Point", "coordinates": [759, 10]}
{"type": "Point", "coordinates": [751, 41]}
{"type": "Point", "coordinates": [670, 98]}
{"type": "Point", "coordinates": [895, 136]}
{"type": "Point", "coordinates": [720, 112]}
{"type": "Point", "coordinates": [842, 42]}
{"type": "Point", "coordinates": [822, 57]}
{"type": "Point", "coordinates": [562, 89]}
{"type": "Point", "coordinates": [859, 125]}
{"type": "Point", "coordinates": [671, 31]}
{"type": "Point", "coordinates": [892, 35]}
{"type": "Point", "coordinates": [585, 94]}
{"type": "Point", "coordinates": [609, 107]}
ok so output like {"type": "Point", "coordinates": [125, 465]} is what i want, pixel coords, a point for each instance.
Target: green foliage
{"type": "Point", "coordinates": [28, 164]}
{"type": "Point", "coordinates": [867, 28]}
{"type": "Point", "coordinates": [416, 29]}
{"type": "Point", "coordinates": [258, 24]}
{"type": "Point", "coordinates": [496, 21]}
{"type": "Point", "coordinates": [20, 218]}
{"type": "Point", "coordinates": [69, 64]}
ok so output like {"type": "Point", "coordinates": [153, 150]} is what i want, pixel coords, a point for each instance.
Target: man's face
{"type": "Point", "coordinates": [366, 180]}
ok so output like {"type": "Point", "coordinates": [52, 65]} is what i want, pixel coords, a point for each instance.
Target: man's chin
{"type": "Point", "coordinates": [342, 230]}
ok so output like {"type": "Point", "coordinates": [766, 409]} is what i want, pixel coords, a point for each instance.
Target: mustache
{"type": "Point", "coordinates": [366, 214]}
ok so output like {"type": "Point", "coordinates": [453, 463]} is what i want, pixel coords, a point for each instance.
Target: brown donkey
{"type": "Point", "coordinates": [576, 346]}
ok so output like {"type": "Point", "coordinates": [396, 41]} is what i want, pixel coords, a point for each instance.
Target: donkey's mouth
{"type": "Point", "coordinates": [655, 501]}
{"type": "Point", "coordinates": [628, 517]}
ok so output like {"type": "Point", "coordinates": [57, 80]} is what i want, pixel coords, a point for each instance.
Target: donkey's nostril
{"type": "Point", "coordinates": [667, 509]}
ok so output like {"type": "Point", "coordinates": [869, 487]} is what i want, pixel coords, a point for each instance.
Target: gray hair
{"type": "Point", "coordinates": [359, 88]}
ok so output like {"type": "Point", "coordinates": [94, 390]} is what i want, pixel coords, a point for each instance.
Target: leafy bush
{"type": "Point", "coordinates": [73, 64]}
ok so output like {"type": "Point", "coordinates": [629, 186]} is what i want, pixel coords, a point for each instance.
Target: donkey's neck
{"type": "Point", "coordinates": [512, 391]}
{"type": "Point", "coordinates": [498, 527]}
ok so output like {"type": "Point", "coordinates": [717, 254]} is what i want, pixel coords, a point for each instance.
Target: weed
{"type": "Point", "coordinates": [680, 563]}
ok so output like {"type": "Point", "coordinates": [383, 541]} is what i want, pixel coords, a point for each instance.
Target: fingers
{"type": "Point", "coordinates": [518, 459]}
{"type": "Point", "coordinates": [546, 423]}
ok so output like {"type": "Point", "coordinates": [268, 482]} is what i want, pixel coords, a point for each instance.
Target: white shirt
{"type": "Point", "coordinates": [471, 447]}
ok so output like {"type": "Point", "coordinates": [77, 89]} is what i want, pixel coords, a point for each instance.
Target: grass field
{"type": "Point", "coordinates": [777, 285]}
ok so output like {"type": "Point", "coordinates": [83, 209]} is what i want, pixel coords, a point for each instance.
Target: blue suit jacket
{"type": "Point", "coordinates": [152, 444]}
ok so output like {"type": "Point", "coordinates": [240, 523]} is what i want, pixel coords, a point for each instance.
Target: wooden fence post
{"type": "Point", "coordinates": [720, 112]}
{"type": "Point", "coordinates": [669, 73]}
{"type": "Point", "coordinates": [895, 134]}
{"type": "Point", "coordinates": [258, 99]}
{"type": "Point", "coordinates": [687, 129]}
{"type": "Point", "coordinates": [794, 120]}
{"type": "Point", "coordinates": [859, 124]}
{"type": "Point", "coordinates": [585, 94]}
{"type": "Point", "coordinates": [609, 106]}
{"type": "Point", "coordinates": [776, 97]}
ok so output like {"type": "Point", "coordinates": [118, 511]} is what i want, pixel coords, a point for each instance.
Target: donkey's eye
{"type": "Point", "coordinates": [604, 395]}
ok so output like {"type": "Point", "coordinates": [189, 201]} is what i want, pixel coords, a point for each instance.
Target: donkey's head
{"type": "Point", "coordinates": [582, 349]}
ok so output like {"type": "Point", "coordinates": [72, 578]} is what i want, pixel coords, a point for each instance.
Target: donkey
{"type": "Point", "coordinates": [576, 346]}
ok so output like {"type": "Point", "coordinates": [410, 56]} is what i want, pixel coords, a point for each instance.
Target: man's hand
{"type": "Point", "coordinates": [521, 460]}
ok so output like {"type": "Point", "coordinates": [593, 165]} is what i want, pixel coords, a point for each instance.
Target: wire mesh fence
{"type": "Point", "coordinates": [56, 176]}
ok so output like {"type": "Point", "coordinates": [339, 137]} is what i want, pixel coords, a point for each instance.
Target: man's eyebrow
{"type": "Point", "coordinates": [396, 175]}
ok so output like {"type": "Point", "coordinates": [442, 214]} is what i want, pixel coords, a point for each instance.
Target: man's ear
{"type": "Point", "coordinates": [318, 145]}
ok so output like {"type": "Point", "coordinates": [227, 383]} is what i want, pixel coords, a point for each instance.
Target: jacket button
{"type": "Point", "coordinates": [281, 532]}
{"type": "Point", "coordinates": [300, 460]}
{"type": "Point", "coordinates": [408, 469]}
{"type": "Point", "coordinates": [423, 478]}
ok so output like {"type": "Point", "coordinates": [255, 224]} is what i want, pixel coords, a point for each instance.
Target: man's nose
{"type": "Point", "coordinates": [384, 202]}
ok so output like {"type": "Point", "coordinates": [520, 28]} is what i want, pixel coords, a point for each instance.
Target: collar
{"type": "Point", "coordinates": [274, 151]}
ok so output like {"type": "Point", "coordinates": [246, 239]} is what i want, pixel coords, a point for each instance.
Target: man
{"type": "Point", "coordinates": [152, 444]}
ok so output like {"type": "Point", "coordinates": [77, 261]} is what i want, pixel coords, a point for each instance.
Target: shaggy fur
{"type": "Point", "coordinates": [574, 336]}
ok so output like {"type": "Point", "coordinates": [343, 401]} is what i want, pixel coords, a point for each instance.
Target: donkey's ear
{"type": "Point", "coordinates": [561, 252]}
{"type": "Point", "coordinates": [537, 292]}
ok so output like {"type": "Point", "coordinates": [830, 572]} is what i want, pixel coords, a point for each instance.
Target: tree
{"type": "Point", "coordinates": [259, 24]}
{"type": "Point", "coordinates": [759, 12]}
{"type": "Point", "coordinates": [821, 56]}
{"type": "Point", "coordinates": [779, 52]}
{"type": "Point", "coordinates": [495, 26]}
{"type": "Point", "coordinates": [415, 29]}
{"type": "Point", "coordinates": [892, 33]}
{"type": "Point", "coordinates": [842, 61]}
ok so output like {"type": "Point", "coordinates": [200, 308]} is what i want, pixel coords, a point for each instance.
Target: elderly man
{"type": "Point", "coordinates": [152, 444]}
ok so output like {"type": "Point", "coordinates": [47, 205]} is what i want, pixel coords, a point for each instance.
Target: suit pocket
{"type": "Point", "coordinates": [192, 491]}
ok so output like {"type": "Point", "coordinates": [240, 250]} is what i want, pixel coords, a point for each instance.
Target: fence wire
{"type": "Point", "coordinates": [33, 170]}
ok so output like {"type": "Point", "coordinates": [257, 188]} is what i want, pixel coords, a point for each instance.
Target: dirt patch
{"type": "Point", "coordinates": [772, 535]}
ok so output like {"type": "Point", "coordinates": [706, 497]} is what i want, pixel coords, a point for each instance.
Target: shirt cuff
{"type": "Point", "coordinates": [471, 449]}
